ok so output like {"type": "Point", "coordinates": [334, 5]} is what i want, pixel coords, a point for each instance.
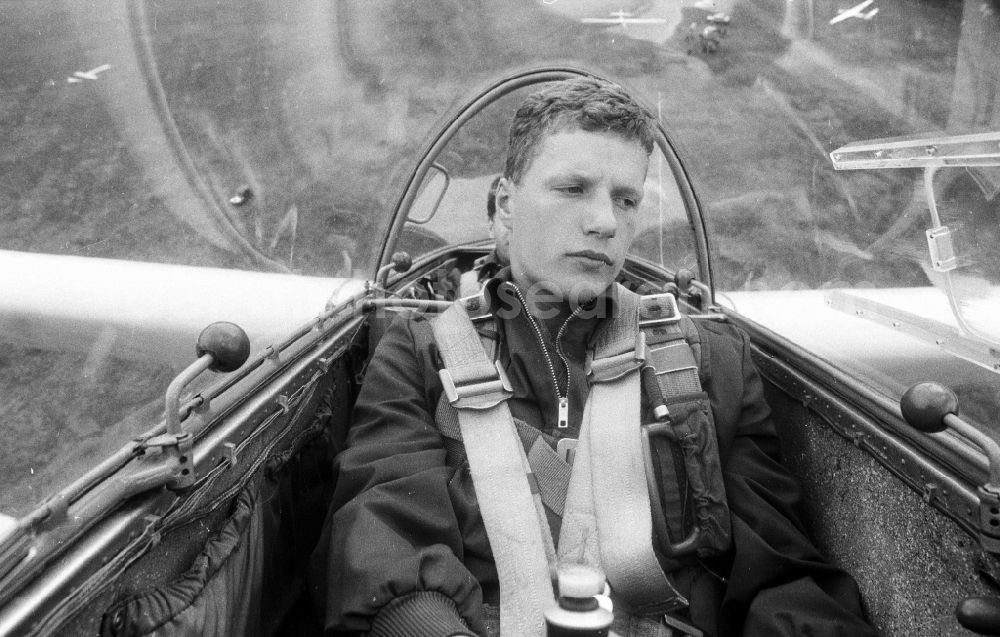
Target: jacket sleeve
{"type": "Point", "coordinates": [779, 584]}
{"type": "Point", "coordinates": [393, 548]}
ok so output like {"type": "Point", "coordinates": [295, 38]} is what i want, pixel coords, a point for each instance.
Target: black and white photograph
{"type": "Point", "coordinates": [500, 318]}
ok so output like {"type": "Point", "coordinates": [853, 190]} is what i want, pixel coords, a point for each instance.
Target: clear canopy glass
{"type": "Point", "coordinates": [148, 149]}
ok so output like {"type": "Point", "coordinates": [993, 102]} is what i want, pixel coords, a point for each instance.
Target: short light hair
{"type": "Point", "coordinates": [583, 103]}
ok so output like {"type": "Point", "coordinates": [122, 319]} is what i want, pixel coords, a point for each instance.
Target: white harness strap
{"type": "Point", "coordinates": [607, 521]}
{"type": "Point", "coordinates": [512, 512]}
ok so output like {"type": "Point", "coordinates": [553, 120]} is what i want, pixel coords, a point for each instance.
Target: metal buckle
{"type": "Point", "coordinates": [604, 370]}
{"type": "Point", "coordinates": [673, 356]}
{"type": "Point", "coordinates": [670, 314]}
{"type": "Point", "coordinates": [482, 394]}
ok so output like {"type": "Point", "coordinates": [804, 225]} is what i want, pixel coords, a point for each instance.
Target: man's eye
{"type": "Point", "coordinates": [627, 202]}
{"type": "Point", "coordinates": [572, 190]}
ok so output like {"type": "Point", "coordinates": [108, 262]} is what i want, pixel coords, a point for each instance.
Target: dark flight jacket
{"type": "Point", "coordinates": [404, 550]}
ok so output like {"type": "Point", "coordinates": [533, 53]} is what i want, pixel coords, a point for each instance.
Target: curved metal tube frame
{"type": "Point", "coordinates": [499, 88]}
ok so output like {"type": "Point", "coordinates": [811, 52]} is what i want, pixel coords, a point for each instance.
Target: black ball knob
{"type": "Point", "coordinates": [228, 344]}
{"type": "Point", "coordinates": [401, 261]}
{"type": "Point", "coordinates": [925, 405]}
{"type": "Point", "coordinates": [979, 614]}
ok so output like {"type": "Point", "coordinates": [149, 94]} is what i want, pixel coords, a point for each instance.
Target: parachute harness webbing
{"type": "Point", "coordinates": [607, 521]}
{"type": "Point", "coordinates": [512, 513]}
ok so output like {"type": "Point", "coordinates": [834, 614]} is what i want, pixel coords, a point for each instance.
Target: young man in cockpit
{"type": "Point", "coordinates": [458, 497]}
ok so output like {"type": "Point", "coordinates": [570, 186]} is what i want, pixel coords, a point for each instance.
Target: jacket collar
{"type": "Point", "coordinates": [505, 303]}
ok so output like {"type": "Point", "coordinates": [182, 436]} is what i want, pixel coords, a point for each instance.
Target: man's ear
{"type": "Point", "coordinates": [503, 203]}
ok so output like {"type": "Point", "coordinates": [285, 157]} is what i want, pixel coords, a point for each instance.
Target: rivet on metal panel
{"type": "Point", "coordinates": [229, 453]}
{"type": "Point", "coordinates": [931, 151]}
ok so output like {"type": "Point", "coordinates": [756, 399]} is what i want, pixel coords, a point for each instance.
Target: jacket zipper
{"type": "Point", "coordinates": [562, 415]}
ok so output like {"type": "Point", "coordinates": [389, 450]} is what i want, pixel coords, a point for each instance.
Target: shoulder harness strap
{"type": "Point", "coordinates": [647, 332]}
{"type": "Point", "coordinates": [508, 501]}
{"type": "Point", "coordinates": [673, 344]}
{"type": "Point", "coordinates": [608, 482]}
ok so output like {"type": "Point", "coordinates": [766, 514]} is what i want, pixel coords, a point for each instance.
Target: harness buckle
{"type": "Point", "coordinates": [672, 357]}
{"type": "Point", "coordinates": [658, 309]}
{"type": "Point", "coordinates": [479, 394]}
{"type": "Point", "coordinates": [605, 370]}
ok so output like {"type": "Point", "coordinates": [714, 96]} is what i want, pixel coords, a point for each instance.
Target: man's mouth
{"type": "Point", "coordinates": [593, 255]}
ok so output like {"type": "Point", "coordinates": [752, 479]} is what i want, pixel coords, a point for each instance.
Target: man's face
{"type": "Point", "coordinates": [573, 215]}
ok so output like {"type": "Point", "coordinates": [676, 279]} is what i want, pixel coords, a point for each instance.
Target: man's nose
{"type": "Point", "coordinates": [601, 219]}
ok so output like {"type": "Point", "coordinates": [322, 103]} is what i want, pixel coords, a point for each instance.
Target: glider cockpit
{"type": "Point", "coordinates": [261, 165]}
